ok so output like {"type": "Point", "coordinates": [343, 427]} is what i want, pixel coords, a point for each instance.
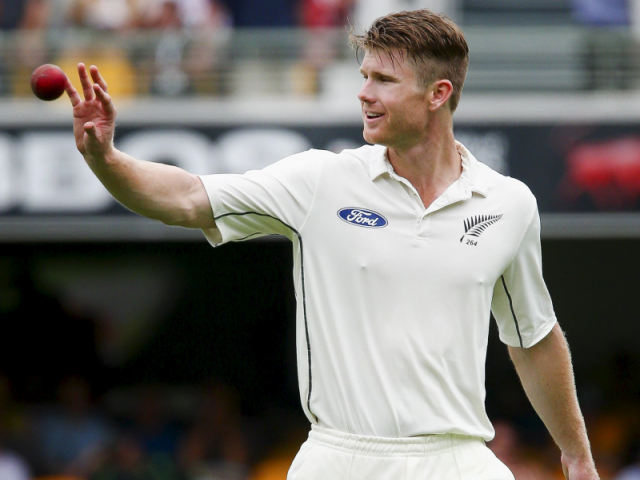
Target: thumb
{"type": "Point", "coordinates": [90, 129]}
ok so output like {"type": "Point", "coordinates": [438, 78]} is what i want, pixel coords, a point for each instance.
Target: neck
{"type": "Point", "coordinates": [430, 165]}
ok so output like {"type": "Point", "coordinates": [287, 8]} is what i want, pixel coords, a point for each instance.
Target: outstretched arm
{"type": "Point", "coordinates": [158, 191]}
{"type": "Point", "coordinates": [547, 377]}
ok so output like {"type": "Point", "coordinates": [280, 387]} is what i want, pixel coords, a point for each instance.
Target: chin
{"type": "Point", "coordinates": [372, 138]}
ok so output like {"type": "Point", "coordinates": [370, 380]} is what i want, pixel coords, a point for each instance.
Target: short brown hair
{"type": "Point", "coordinates": [435, 44]}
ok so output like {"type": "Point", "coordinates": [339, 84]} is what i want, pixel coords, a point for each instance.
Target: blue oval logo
{"type": "Point", "coordinates": [362, 217]}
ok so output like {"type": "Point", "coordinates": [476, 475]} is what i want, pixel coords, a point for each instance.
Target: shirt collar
{"type": "Point", "coordinates": [379, 164]}
{"type": "Point", "coordinates": [470, 178]}
{"type": "Point", "coordinates": [471, 172]}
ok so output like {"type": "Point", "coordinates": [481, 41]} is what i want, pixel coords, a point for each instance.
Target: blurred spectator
{"type": "Point", "coordinates": [60, 14]}
{"type": "Point", "coordinates": [126, 460]}
{"type": "Point", "coordinates": [165, 15]}
{"type": "Point", "coordinates": [325, 13]}
{"type": "Point", "coordinates": [601, 12]}
{"type": "Point", "coordinates": [16, 428]}
{"type": "Point", "coordinates": [104, 14]}
{"type": "Point", "coordinates": [206, 55]}
{"type": "Point", "coordinates": [13, 429]}
{"type": "Point", "coordinates": [73, 434]}
{"type": "Point", "coordinates": [192, 34]}
{"type": "Point", "coordinates": [169, 77]}
{"type": "Point", "coordinates": [152, 427]}
{"type": "Point", "coordinates": [216, 446]}
{"type": "Point", "coordinates": [202, 14]}
{"type": "Point", "coordinates": [31, 48]}
{"type": "Point", "coordinates": [205, 58]}
{"type": "Point", "coordinates": [116, 15]}
{"type": "Point", "coordinates": [320, 44]}
{"type": "Point", "coordinates": [12, 465]}
{"type": "Point", "coordinates": [507, 446]}
{"type": "Point", "coordinates": [259, 13]}
{"type": "Point", "coordinates": [115, 67]}
{"type": "Point", "coordinates": [608, 51]}
{"type": "Point", "coordinates": [33, 21]}
{"type": "Point", "coordinates": [36, 15]}
{"type": "Point", "coordinates": [123, 460]}
{"type": "Point", "coordinates": [366, 11]}
{"type": "Point", "coordinates": [11, 12]}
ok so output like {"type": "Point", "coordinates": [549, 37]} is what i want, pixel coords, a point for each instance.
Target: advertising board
{"type": "Point", "coordinates": [585, 173]}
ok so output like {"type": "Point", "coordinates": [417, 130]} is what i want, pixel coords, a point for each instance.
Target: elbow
{"type": "Point", "coordinates": [191, 208]}
{"type": "Point", "coordinates": [171, 221]}
{"type": "Point", "coordinates": [179, 218]}
{"type": "Point", "coordinates": [189, 215]}
{"type": "Point", "coordinates": [183, 202]}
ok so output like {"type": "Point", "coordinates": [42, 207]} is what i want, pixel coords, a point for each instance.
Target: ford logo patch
{"type": "Point", "coordinates": [362, 217]}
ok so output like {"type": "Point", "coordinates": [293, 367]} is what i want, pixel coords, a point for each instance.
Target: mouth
{"type": "Point", "coordinates": [371, 116]}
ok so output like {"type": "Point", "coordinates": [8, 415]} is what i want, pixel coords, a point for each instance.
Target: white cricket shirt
{"type": "Point", "coordinates": [394, 300]}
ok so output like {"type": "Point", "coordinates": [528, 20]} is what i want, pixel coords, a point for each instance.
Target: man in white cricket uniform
{"type": "Point", "coordinates": [395, 299]}
{"type": "Point", "coordinates": [383, 282]}
{"type": "Point", "coordinates": [402, 249]}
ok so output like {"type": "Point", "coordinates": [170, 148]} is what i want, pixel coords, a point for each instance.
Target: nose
{"type": "Point", "coordinates": [366, 94]}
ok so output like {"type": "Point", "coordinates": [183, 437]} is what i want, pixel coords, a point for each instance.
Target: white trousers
{"type": "Point", "coordinates": [332, 455]}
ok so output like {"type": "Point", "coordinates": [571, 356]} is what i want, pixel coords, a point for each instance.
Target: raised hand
{"type": "Point", "coordinates": [94, 117]}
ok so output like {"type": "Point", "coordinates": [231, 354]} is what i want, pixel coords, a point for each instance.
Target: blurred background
{"type": "Point", "coordinates": [130, 350]}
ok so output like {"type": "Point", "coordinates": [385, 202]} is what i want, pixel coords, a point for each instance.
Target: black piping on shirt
{"type": "Point", "coordinates": [304, 301]}
{"type": "Point", "coordinates": [515, 319]}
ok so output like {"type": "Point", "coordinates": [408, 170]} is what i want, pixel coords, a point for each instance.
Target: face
{"type": "Point", "coordinates": [395, 108]}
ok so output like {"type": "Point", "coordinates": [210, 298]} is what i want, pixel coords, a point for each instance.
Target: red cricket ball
{"type": "Point", "coordinates": [48, 82]}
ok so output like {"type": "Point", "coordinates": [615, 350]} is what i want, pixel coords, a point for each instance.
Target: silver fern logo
{"type": "Point", "coordinates": [474, 226]}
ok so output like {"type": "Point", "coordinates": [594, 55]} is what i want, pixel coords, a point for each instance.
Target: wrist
{"type": "Point", "coordinates": [575, 458]}
{"type": "Point", "coordinates": [579, 467]}
{"type": "Point", "coordinates": [102, 158]}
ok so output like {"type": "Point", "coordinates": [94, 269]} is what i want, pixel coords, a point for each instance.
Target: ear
{"type": "Point", "coordinates": [439, 93]}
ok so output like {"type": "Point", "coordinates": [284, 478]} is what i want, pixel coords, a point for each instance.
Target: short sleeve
{"type": "Point", "coordinates": [521, 302]}
{"type": "Point", "coordinates": [273, 201]}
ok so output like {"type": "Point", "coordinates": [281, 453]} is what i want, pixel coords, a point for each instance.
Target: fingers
{"type": "Point", "coordinates": [97, 78]}
{"type": "Point", "coordinates": [93, 86]}
{"type": "Point", "coordinates": [85, 81]}
{"type": "Point", "coordinates": [104, 98]}
{"type": "Point", "coordinates": [73, 94]}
